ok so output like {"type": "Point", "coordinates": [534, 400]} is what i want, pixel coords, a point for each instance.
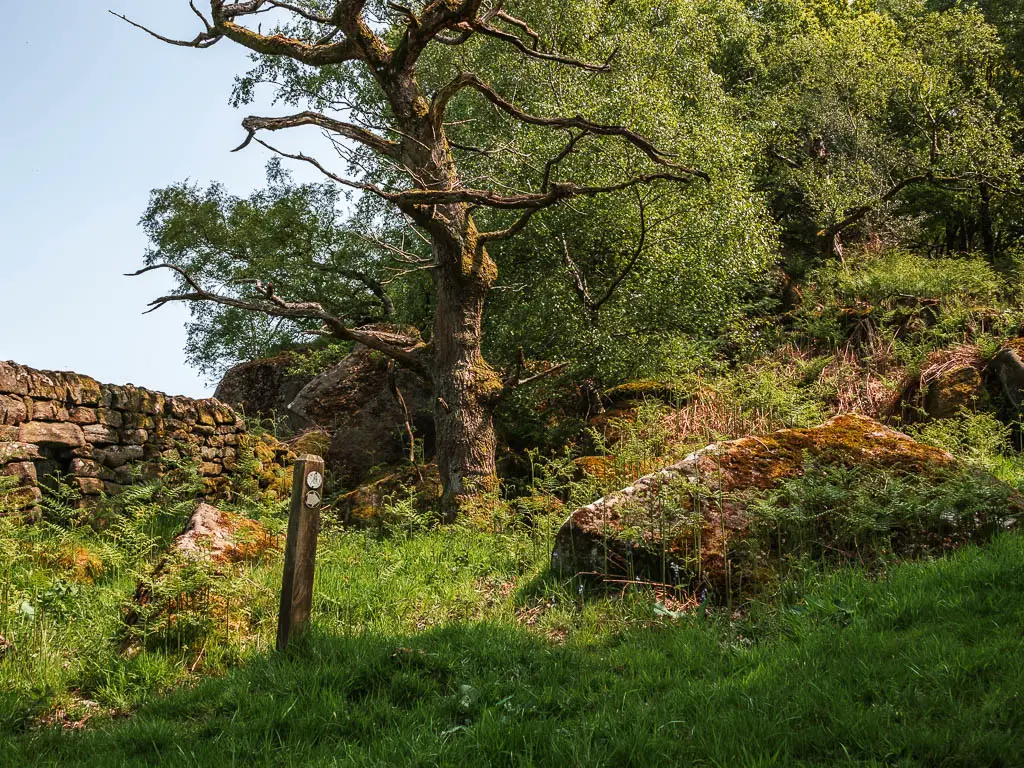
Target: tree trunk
{"type": "Point", "coordinates": [466, 388]}
{"type": "Point", "coordinates": [988, 238]}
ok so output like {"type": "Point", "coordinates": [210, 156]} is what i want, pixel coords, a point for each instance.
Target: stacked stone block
{"type": "Point", "coordinates": [106, 436]}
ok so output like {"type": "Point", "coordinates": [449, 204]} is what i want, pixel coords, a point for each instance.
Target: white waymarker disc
{"type": "Point", "coordinates": [314, 480]}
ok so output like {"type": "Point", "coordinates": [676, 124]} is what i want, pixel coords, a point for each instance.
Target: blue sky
{"type": "Point", "coordinates": [96, 114]}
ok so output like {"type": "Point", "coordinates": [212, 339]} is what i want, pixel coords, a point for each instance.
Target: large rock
{"type": "Point", "coordinates": [266, 388]}
{"type": "Point", "coordinates": [13, 410]}
{"type": "Point", "coordinates": [657, 520]}
{"type": "Point", "coordinates": [1009, 368]}
{"type": "Point", "coordinates": [953, 391]}
{"type": "Point", "coordinates": [212, 538]}
{"type": "Point", "coordinates": [355, 402]}
{"type": "Point", "coordinates": [213, 534]}
{"type": "Point", "coordinates": [950, 381]}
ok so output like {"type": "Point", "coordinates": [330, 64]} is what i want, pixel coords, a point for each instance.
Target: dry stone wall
{"type": "Point", "coordinates": [105, 436]}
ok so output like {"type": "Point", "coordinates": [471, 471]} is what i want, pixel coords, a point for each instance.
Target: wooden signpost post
{"type": "Point", "coordinates": [300, 549]}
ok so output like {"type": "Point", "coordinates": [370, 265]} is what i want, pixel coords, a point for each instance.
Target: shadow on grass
{"type": "Point", "coordinates": [919, 668]}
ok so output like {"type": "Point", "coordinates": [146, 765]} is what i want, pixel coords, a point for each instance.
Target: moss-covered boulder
{"type": "Point", "coordinates": [692, 523]}
{"type": "Point", "coordinates": [380, 502]}
{"type": "Point", "coordinates": [956, 390]}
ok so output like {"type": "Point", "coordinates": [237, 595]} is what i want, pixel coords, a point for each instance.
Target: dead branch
{"type": "Point", "coordinates": [304, 13]}
{"type": "Point", "coordinates": [470, 80]}
{"type": "Point", "coordinates": [516, 22]}
{"type": "Point", "coordinates": [514, 381]}
{"type": "Point", "coordinates": [412, 353]}
{"type": "Point", "coordinates": [556, 192]}
{"type": "Point", "coordinates": [594, 306]}
{"type": "Point", "coordinates": [533, 53]}
{"type": "Point", "coordinates": [348, 130]}
{"type": "Point", "coordinates": [202, 40]}
{"type": "Point", "coordinates": [852, 215]}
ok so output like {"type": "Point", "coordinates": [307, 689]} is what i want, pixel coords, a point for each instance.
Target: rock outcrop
{"type": "Point", "coordinates": [105, 437]}
{"type": "Point", "coordinates": [355, 404]}
{"type": "Point", "coordinates": [219, 536]}
{"type": "Point", "coordinates": [1008, 365]}
{"type": "Point", "coordinates": [657, 519]}
{"type": "Point", "coordinates": [959, 389]}
{"type": "Point", "coordinates": [213, 540]}
{"type": "Point", "coordinates": [265, 387]}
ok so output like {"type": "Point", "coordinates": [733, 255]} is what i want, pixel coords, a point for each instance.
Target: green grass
{"type": "Point", "coordinates": [453, 646]}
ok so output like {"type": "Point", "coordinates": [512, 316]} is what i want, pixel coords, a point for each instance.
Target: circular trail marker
{"type": "Point", "coordinates": [312, 499]}
{"type": "Point", "coordinates": [314, 480]}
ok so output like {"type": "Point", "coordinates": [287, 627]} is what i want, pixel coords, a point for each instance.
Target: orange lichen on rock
{"type": "Point", "coordinates": [761, 462]}
{"type": "Point", "coordinates": [595, 466]}
{"type": "Point", "coordinates": [73, 561]}
{"type": "Point", "coordinates": [81, 564]}
{"type": "Point", "coordinates": [213, 539]}
{"type": "Point", "coordinates": [223, 537]}
{"type": "Point", "coordinates": [695, 510]}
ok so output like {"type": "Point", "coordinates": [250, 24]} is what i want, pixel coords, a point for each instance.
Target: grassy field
{"type": "Point", "coordinates": [456, 646]}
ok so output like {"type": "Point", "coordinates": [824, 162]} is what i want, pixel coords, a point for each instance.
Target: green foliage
{"type": "Point", "coordinates": [867, 514]}
{"type": "Point", "coordinates": [315, 361]}
{"type": "Point", "coordinates": [772, 394]}
{"type": "Point", "coordinates": [899, 274]}
{"type": "Point", "coordinates": [931, 643]}
{"type": "Point", "coordinates": [906, 305]}
{"type": "Point", "coordinates": [290, 236]}
{"type": "Point", "coordinates": [901, 116]}
{"type": "Point", "coordinates": [628, 281]}
{"type": "Point", "coordinates": [980, 440]}
{"type": "Point", "coordinates": [855, 106]}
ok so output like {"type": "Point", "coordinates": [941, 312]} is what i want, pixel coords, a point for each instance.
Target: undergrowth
{"type": "Point", "coordinates": [435, 646]}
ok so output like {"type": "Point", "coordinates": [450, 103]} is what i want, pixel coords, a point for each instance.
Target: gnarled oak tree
{"type": "Point", "coordinates": [377, 47]}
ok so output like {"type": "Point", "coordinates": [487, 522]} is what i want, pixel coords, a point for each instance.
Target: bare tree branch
{"type": "Point", "coordinates": [513, 229]}
{"type": "Point", "coordinates": [516, 22]}
{"type": "Point", "coordinates": [202, 40]}
{"type": "Point", "coordinates": [579, 283]}
{"type": "Point", "coordinates": [317, 164]}
{"type": "Point", "coordinates": [553, 163]}
{"type": "Point", "coordinates": [374, 286]}
{"type": "Point", "coordinates": [789, 162]}
{"type": "Point", "coordinates": [234, 10]}
{"type": "Point", "coordinates": [309, 16]}
{"type": "Point", "coordinates": [514, 381]}
{"type": "Point", "coordinates": [556, 192]}
{"type": "Point", "coordinates": [470, 80]}
{"type": "Point", "coordinates": [852, 215]}
{"type": "Point", "coordinates": [437, 16]}
{"type": "Point", "coordinates": [279, 45]}
{"type": "Point", "coordinates": [412, 353]}
{"type": "Point", "coordinates": [533, 53]}
{"type": "Point", "coordinates": [348, 130]}
{"type": "Point", "coordinates": [596, 305]}
{"type": "Point", "coordinates": [202, 18]}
